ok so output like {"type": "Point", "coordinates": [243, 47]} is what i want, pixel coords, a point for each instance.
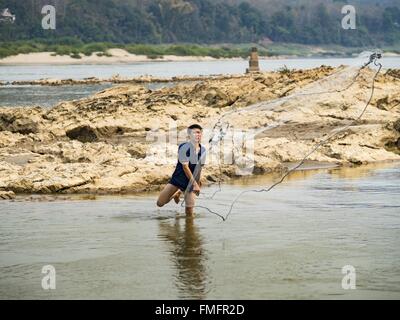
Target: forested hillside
{"type": "Point", "coordinates": [206, 21]}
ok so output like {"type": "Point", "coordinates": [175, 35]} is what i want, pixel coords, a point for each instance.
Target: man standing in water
{"type": "Point", "coordinates": [186, 177]}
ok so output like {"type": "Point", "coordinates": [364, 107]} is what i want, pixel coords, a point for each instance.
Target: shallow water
{"type": "Point", "coordinates": [175, 68]}
{"type": "Point", "coordinates": [290, 243]}
{"type": "Point", "coordinates": [49, 96]}
{"type": "Point", "coordinates": [45, 96]}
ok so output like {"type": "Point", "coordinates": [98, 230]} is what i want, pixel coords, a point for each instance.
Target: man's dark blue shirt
{"type": "Point", "coordinates": [187, 153]}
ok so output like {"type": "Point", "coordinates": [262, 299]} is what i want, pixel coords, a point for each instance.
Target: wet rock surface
{"type": "Point", "coordinates": [7, 195]}
{"type": "Point", "coordinates": [106, 143]}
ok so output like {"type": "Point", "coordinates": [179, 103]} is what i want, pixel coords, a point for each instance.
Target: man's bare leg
{"type": "Point", "coordinates": [166, 194]}
{"type": "Point", "coordinates": [189, 201]}
{"type": "Point", "coordinates": [177, 196]}
{"type": "Point", "coordinates": [189, 212]}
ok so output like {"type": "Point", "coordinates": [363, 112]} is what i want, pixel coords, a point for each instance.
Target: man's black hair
{"type": "Point", "coordinates": [195, 126]}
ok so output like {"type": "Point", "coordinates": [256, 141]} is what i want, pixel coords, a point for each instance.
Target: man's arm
{"type": "Point", "coordinates": [189, 175]}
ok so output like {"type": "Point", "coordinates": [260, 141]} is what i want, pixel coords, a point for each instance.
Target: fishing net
{"type": "Point", "coordinates": [265, 116]}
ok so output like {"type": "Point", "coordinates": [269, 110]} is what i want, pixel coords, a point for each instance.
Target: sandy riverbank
{"type": "Point", "coordinates": [108, 143]}
{"type": "Point", "coordinates": [121, 56]}
{"type": "Point", "coordinates": [118, 56]}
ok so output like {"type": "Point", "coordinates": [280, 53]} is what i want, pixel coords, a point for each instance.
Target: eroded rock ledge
{"type": "Point", "coordinates": [98, 144]}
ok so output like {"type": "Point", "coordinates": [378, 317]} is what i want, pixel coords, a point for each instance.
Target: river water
{"type": "Point", "coordinates": [49, 96]}
{"type": "Point", "coordinates": [291, 243]}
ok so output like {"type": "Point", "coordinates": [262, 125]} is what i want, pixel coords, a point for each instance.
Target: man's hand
{"type": "Point", "coordinates": [196, 188]}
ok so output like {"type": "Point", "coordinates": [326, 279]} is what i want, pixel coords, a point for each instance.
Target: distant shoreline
{"type": "Point", "coordinates": [121, 56]}
{"type": "Point", "coordinates": [117, 56]}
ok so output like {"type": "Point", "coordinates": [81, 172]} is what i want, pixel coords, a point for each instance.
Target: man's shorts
{"type": "Point", "coordinates": [179, 185]}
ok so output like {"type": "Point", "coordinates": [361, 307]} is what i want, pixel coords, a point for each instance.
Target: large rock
{"type": "Point", "coordinates": [7, 195]}
{"type": "Point", "coordinates": [396, 125]}
{"type": "Point", "coordinates": [116, 140]}
{"type": "Point", "coordinates": [83, 134]}
{"type": "Point", "coordinates": [21, 120]}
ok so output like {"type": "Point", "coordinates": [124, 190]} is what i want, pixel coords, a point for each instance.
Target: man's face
{"type": "Point", "coordinates": [195, 135]}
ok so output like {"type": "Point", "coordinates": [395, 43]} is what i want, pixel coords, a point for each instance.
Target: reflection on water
{"type": "Point", "coordinates": [358, 172]}
{"type": "Point", "coordinates": [188, 255]}
{"type": "Point", "coordinates": [311, 168]}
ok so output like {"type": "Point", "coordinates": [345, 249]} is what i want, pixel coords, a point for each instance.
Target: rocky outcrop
{"type": "Point", "coordinates": [82, 133]}
{"type": "Point", "coordinates": [396, 125]}
{"type": "Point", "coordinates": [7, 195]}
{"type": "Point", "coordinates": [110, 143]}
{"type": "Point", "coordinates": [116, 79]}
{"type": "Point", "coordinates": [21, 120]}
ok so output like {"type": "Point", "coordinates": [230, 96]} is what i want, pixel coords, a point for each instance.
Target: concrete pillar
{"type": "Point", "coordinates": [253, 62]}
